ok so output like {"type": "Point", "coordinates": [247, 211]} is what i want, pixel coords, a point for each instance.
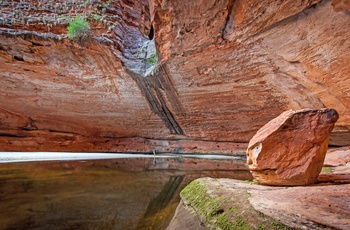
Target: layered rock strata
{"type": "Point", "coordinates": [225, 68]}
{"type": "Point", "coordinates": [67, 142]}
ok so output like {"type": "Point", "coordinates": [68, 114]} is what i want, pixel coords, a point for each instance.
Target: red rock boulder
{"type": "Point", "coordinates": [290, 149]}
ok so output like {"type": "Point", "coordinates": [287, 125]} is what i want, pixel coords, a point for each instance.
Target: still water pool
{"type": "Point", "coordinates": [124, 193]}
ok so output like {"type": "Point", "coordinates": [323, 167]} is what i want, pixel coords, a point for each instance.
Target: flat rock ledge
{"type": "Point", "coordinates": [208, 203]}
{"type": "Point", "coordinates": [233, 204]}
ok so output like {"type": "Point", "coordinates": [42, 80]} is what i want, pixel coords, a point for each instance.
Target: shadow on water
{"type": "Point", "coordinates": [101, 194]}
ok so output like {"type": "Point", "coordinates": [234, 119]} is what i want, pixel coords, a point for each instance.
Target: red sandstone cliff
{"type": "Point", "coordinates": [225, 68]}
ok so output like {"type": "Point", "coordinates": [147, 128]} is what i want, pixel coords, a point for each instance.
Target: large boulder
{"type": "Point", "coordinates": [290, 149]}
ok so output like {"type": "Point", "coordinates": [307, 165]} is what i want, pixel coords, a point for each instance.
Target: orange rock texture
{"type": "Point", "coordinates": [224, 69]}
{"type": "Point", "coordinates": [290, 149]}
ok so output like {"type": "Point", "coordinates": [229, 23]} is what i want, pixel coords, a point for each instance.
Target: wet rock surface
{"type": "Point", "coordinates": [290, 149]}
{"type": "Point", "coordinates": [247, 205]}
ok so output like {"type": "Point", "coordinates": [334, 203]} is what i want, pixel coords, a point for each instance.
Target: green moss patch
{"type": "Point", "coordinates": [208, 208]}
{"type": "Point", "coordinates": [327, 170]}
{"type": "Point", "coordinates": [217, 209]}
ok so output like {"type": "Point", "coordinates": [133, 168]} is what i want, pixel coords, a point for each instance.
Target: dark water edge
{"type": "Point", "coordinates": [102, 194]}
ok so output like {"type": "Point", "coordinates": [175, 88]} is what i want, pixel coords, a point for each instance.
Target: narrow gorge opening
{"type": "Point", "coordinates": [148, 57]}
{"type": "Point", "coordinates": [136, 42]}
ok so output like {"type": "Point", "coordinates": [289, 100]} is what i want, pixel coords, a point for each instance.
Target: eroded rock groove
{"type": "Point", "coordinates": [153, 88]}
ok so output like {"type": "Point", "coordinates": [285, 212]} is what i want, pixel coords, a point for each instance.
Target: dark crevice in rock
{"type": "Point", "coordinates": [18, 58]}
{"type": "Point", "coordinates": [8, 135]}
{"type": "Point", "coordinates": [36, 44]}
{"type": "Point", "coordinates": [151, 33]}
{"type": "Point", "coordinates": [152, 88]}
{"type": "Point", "coordinates": [229, 25]}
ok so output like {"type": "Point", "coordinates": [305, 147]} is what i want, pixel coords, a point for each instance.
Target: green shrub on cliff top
{"type": "Point", "coordinates": [78, 28]}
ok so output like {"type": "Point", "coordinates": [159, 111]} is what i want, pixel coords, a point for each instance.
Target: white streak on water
{"type": "Point", "coordinates": [7, 157]}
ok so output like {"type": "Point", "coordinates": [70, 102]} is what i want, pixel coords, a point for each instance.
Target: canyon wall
{"type": "Point", "coordinates": [224, 69]}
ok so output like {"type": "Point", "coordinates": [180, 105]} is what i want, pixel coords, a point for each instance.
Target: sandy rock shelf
{"type": "Point", "coordinates": [232, 204]}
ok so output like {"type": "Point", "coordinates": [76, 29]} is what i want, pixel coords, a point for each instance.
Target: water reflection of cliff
{"type": "Point", "coordinates": [101, 194]}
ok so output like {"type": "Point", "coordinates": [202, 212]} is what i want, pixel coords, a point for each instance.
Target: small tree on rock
{"type": "Point", "coordinates": [78, 29]}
